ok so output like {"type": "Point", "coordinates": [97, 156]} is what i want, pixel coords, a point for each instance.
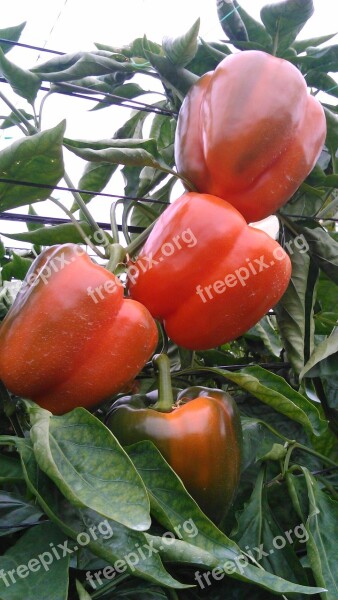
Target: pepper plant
{"type": "Point", "coordinates": [94, 499]}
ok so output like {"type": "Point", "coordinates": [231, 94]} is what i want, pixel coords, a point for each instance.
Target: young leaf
{"type": "Point", "coordinates": [11, 33]}
{"type": "Point", "coordinates": [284, 20]}
{"type": "Point", "coordinates": [16, 269]}
{"type": "Point", "coordinates": [89, 466]}
{"type": "Point", "coordinates": [276, 392]}
{"type": "Point", "coordinates": [259, 532]}
{"type": "Point", "coordinates": [13, 119]}
{"type": "Point", "coordinates": [182, 50]}
{"type": "Point", "coordinates": [24, 83]}
{"type": "Point", "coordinates": [47, 577]}
{"type": "Point", "coordinates": [322, 529]}
{"type": "Point", "coordinates": [327, 347]}
{"type": "Point", "coordinates": [178, 79]}
{"type": "Point", "coordinates": [35, 159]}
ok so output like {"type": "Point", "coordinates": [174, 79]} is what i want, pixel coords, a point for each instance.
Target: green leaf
{"type": "Point", "coordinates": [31, 226]}
{"type": "Point", "coordinates": [11, 33]}
{"type": "Point", "coordinates": [258, 530]}
{"type": "Point", "coordinates": [323, 82]}
{"type": "Point", "coordinates": [16, 513]}
{"type": "Point", "coordinates": [24, 83]}
{"type": "Point", "coordinates": [16, 269]}
{"type": "Point", "coordinates": [10, 469]}
{"type": "Point", "coordinates": [258, 440]}
{"type": "Point", "coordinates": [127, 90]}
{"type": "Point", "coordinates": [58, 234]}
{"type": "Point", "coordinates": [295, 309]}
{"type": "Point", "coordinates": [83, 64]}
{"type": "Point", "coordinates": [255, 30]}
{"type": "Point", "coordinates": [265, 332]}
{"type": "Point", "coordinates": [35, 574]}
{"type": "Point", "coordinates": [176, 78]}
{"type": "Point", "coordinates": [82, 592]}
{"type": "Point", "coordinates": [201, 542]}
{"type": "Point", "coordinates": [302, 45]}
{"type": "Point", "coordinates": [182, 50]}
{"type": "Point", "coordinates": [13, 119]}
{"type": "Point", "coordinates": [276, 392]}
{"type": "Point", "coordinates": [284, 20]}
{"type": "Point", "coordinates": [131, 152]}
{"type": "Point", "coordinates": [36, 159]}
{"type": "Point", "coordinates": [322, 529]}
{"type": "Point", "coordinates": [322, 247]}
{"type": "Point", "coordinates": [332, 130]}
{"type": "Point", "coordinates": [116, 542]}
{"type": "Point", "coordinates": [231, 21]}
{"type": "Point", "coordinates": [89, 466]}
{"type": "Point", "coordinates": [328, 347]}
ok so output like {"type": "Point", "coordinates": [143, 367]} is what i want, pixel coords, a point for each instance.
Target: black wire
{"type": "Point", "coordinates": [30, 47]}
{"type": "Point", "coordinates": [57, 221]}
{"type": "Point", "coordinates": [70, 189]}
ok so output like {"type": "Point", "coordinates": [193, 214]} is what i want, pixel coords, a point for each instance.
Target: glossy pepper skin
{"type": "Point", "coordinates": [201, 439]}
{"type": "Point", "coordinates": [199, 292]}
{"type": "Point", "coordinates": [250, 132]}
{"type": "Point", "coordinates": [64, 347]}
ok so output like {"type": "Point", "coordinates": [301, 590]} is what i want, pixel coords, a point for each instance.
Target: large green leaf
{"type": "Point", "coordinates": [284, 20]}
{"type": "Point", "coordinates": [37, 573]}
{"type": "Point", "coordinates": [24, 83]}
{"type": "Point", "coordinates": [11, 33]}
{"type": "Point", "coordinates": [323, 82]}
{"type": "Point", "coordinates": [182, 50]}
{"type": "Point", "coordinates": [113, 543]}
{"type": "Point", "coordinates": [255, 30]}
{"type": "Point", "coordinates": [302, 45]}
{"type": "Point", "coordinates": [36, 159]}
{"type": "Point", "coordinates": [89, 466]}
{"type": "Point", "coordinates": [201, 542]}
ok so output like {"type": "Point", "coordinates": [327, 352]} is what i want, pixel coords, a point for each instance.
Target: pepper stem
{"type": "Point", "coordinates": [165, 393]}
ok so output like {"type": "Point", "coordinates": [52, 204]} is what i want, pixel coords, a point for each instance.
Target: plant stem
{"type": "Point", "coordinates": [165, 393]}
{"type": "Point", "coordinates": [22, 119]}
{"type": "Point", "coordinates": [82, 205]}
{"type": "Point", "coordinates": [139, 241]}
{"type": "Point", "coordinates": [82, 233]}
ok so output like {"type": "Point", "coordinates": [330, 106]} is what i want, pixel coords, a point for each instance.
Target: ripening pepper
{"type": "Point", "coordinates": [200, 437]}
{"type": "Point", "coordinates": [250, 132]}
{"type": "Point", "coordinates": [217, 286]}
{"type": "Point", "coordinates": [71, 339]}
